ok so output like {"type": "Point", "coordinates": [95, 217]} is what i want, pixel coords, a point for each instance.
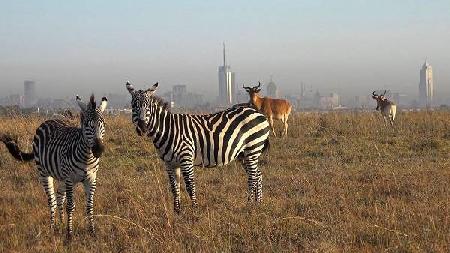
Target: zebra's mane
{"type": "Point", "coordinates": [160, 103]}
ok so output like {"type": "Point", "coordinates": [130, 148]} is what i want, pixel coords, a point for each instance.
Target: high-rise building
{"type": "Point", "coordinates": [272, 90]}
{"type": "Point", "coordinates": [30, 97]}
{"type": "Point", "coordinates": [179, 93]}
{"type": "Point", "coordinates": [227, 88]}
{"type": "Point", "coordinates": [426, 85]}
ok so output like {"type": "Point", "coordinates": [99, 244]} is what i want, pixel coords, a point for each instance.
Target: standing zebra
{"type": "Point", "coordinates": [69, 155]}
{"type": "Point", "coordinates": [184, 141]}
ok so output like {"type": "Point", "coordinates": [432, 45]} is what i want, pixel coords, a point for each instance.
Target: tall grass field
{"type": "Point", "coordinates": [339, 182]}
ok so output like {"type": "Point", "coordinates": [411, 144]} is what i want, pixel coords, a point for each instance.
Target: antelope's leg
{"type": "Point", "coordinates": [285, 125]}
{"type": "Point", "coordinates": [271, 125]}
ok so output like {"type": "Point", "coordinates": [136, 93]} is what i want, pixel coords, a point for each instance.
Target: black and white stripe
{"type": "Point", "coordinates": [184, 141]}
{"type": "Point", "coordinates": [69, 155]}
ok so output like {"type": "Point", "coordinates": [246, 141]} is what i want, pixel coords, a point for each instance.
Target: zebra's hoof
{"type": "Point", "coordinates": [69, 237]}
{"type": "Point", "coordinates": [92, 231]}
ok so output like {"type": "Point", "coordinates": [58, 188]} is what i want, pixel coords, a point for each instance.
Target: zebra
{"type": "Point", "coordinates": [69, 155]}
{"type": "Point", "coordinates": [186, 140]}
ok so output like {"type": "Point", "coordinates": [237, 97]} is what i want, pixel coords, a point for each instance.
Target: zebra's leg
{"type": "Point", "coordinates": [174, 181]}
{"type": "Point", "coordinates": [47, 183]}
{"type": "Point", "coordinates": [69, 208]}
{"type": "Point", "coordinates": [89, 189]}
{"type": "Point", "coordinates": [254, 177]}
{"type": "Point", "coordinates": [60, 198]}
{"type": "Point", "coordinates": [188, 175]}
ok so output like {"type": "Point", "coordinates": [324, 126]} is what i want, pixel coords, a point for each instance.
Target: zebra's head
{"type": "Point", "coordinates": [93, 124]}
{"type": "Point", "coordinates": [141, 103]}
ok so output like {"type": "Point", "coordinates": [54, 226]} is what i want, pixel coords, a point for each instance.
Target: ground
{"type": "Point", "coordinates": [338, 182]}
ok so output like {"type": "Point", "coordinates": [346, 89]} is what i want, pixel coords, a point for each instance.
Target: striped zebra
{"type": "Point", "coordinates": [184, 141]}
{"type": "Point", "coordinates": [69, 155]}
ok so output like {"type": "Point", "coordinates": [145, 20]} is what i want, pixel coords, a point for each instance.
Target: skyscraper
{"type": "Point", "coordinates": [426, 85]}
{"type": "Point", "coordinates": [272, 90]}
{"type": "Point", "coordinates": [227, 88]}
{"type": "Point", "coordinates": [30, 97]}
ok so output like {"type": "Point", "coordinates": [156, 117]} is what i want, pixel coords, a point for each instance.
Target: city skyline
{"type": "Point", "coordinates": [96, 46]}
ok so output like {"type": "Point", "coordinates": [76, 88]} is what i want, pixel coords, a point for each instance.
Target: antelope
{"type": "Point", "coordinates": [386, 107]}
{"type": "Point", "coordinates": [271, 107]}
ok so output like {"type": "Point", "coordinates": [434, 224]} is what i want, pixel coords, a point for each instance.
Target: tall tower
{"type": "Point", "coordinates": [226, 83]}
{"type": "Point", "coordinates": [29, 94]}
{"type": "Point", "coordinates": [272, 90]}
{"type": "Point", "coordinates": [426, 85]}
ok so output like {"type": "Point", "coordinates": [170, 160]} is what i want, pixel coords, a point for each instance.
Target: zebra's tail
{"type": "Point", "coordinates": [14, 149]}
{"type": "Point", "coordinates": [266, 147]}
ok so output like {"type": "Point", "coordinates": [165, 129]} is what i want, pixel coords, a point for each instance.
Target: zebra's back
{"type": "Point", "coordinates": [215, 139]}
{"type": "Point", "coordinates": [54, 149]}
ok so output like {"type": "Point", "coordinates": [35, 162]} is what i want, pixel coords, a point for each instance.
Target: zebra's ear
{"type": "Point", "coordinates": [130, 87]}
{"type": "Point", "coordinates": [81, 104]}
{"type": "Point", "coordinates": [103, 104]}
{"type": "Point", "coordinates": [152, 90]}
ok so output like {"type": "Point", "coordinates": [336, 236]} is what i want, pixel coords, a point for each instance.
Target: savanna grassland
{"type": "Point", "coordinates": [339, 182]}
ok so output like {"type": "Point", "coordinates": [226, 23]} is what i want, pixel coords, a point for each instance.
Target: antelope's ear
{"type": "Point", "coordinates": [130, 87]}
{"type": "Point", "coordinates": [81, 104]}
{"type": "Point", "coordinates": [103, 104]}
{"type": "Point", "coordinates": [152, 90]}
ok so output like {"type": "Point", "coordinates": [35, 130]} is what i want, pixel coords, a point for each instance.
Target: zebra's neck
{"type": "Point", "coordinates": [82, 149]}
{"type": "Point", "coordinates": [157, 122]}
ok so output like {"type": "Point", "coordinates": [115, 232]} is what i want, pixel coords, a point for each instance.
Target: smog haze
{"type": "Point", "coordinates": [349, 47]}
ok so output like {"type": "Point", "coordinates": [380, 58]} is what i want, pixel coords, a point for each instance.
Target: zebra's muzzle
{"type": "Point", "coordinates": [98, 148]}
{"type": "Point", "coordinates": [138, 131]}
{"type": "Point", "coordinates": [141, 127]}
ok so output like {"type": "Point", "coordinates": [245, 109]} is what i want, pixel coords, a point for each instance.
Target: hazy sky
{"type": "Point", "coordinates": [84, 46]}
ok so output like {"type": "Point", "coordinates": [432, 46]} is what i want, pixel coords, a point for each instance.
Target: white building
{"type": "Point", "coordinates": [426, 85]}
{"type": "Point", "coordinates": [227, 87]}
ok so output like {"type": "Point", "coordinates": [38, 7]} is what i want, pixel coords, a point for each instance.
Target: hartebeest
{"type": "Point", "coordinates": [271, 107]}
{"type": "Point", "coordinates": [386, 107]}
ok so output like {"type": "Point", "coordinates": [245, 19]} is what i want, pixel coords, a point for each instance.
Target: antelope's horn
{"type": "Point", "coordinates": [384, 92]}
{"type": "Point", "coordinates": [373, 93]}
{"type": "Point", "coordinates": [259, 84]}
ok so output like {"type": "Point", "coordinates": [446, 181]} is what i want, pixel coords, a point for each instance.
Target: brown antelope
{"type": "Point", "coordinates": [271, 107]}
{"type": "Point", "coordinates": [386, 107]}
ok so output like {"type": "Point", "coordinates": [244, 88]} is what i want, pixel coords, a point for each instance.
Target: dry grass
{"type": "Point", "coordinates": [340, 182]}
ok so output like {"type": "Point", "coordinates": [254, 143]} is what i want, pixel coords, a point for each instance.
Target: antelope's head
{"type": "Point", "coordinates": [253, 91]}
{"type": "Point", "coordinates": [379, 98]}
